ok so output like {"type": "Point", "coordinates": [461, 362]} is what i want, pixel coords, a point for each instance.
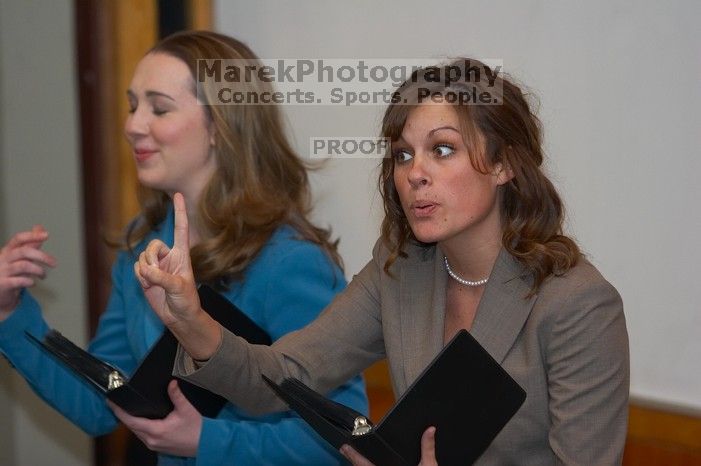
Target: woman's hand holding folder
{"type": "Point", "coordinates": [428, 451]}
{"type": "Point", "coordinates": [177, 434]}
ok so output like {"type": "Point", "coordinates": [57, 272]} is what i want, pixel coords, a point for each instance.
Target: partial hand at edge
{"type": "Point", "coordinates": [428, 451]}
{"type": "Point", "coordinates": [22, 263]}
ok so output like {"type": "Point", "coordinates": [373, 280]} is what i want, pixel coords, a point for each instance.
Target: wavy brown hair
{"type": "Point", "coordinates": [260, 182]}
{"type": "Point", "coordinates": [501, 131]}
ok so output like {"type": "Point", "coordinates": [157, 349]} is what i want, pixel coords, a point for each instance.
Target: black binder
{"type": "Point", "coordinates": [463, 392]}
{"type": "Point", "coordinates": [145, 394]}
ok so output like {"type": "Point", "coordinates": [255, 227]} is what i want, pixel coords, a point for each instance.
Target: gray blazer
{"type": "Point", "coordinates": [567, 346]}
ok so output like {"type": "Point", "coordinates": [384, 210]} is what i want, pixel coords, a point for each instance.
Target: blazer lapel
{"type": "Point", "coordinates": [422, 312]}
{"type": "Point", "coordinates": [504, 307]}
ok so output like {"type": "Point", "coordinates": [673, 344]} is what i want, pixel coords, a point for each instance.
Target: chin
{"type": "Point", "coordinates": [150, 182]}
{"type": "Point", "coordinates": [432, 233]}
{"type": "Point", "coordinates": [428, 236]}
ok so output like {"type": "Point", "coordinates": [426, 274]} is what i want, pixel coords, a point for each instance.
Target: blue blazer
{"type": "Point", "coordinates": [284, 288]}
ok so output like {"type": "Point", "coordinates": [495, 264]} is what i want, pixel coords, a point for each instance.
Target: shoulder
{"type": "Point", "coordinates": [582, 280]}
{"type": "Point", "coordinates": [578, 296]}
{"type": "Point", "coordinates": [287, 244]}
{"type": "Point", "coordinates": [286, 253]}
{"type": "Point", "coordinates": [288, 283]}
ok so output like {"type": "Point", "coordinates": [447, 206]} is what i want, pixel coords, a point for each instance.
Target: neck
{"type": "Point", "coordinates": [471, 262]}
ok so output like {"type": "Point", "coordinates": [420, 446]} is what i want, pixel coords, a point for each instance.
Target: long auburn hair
{"type": "Point", "coordinates": [508, 133]}
{"type": "Point", "coordinates": [260, 182]}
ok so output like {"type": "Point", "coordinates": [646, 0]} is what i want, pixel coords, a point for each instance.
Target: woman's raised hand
{"type": "Point", "coordinates": [166, 274]}
{"type": "Point", "coordinates": [169, 284]}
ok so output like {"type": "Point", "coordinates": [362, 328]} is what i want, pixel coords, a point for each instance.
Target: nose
{"type": "Point", "coordinates": [136, 124]}
{"type": "Point", "coordinates": [418, 174]}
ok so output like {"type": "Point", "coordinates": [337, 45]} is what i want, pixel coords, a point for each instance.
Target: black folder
{"type": "Point", "coordinates": [145, 394]}
{"type": "Point", "coordinates": [463, 392]}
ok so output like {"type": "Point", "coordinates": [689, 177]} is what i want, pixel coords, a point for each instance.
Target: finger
{"type": "Point", "coordinates": [33, 254]}
{"type": "Point", "coordinates": [153, 251]}
{"type": "Point", "coordinates": [39, 230]}
{"type": "Point", "coordinates": [144, 267]}
{"type": "Point", "coordinates": [354, 457]}
{"type": "Point", "coordinates": [26, 269]}
{"type": "Point", "coordinates": [17, 282]}
{"type": "Point", "coordinates": [181, 239]}
{"type": "Point", "coordinates": [428, 447]}
{"type": "Point", "coordinates": [120, 413]}
{"type": "Point", "coordinates": [134, 423]}
{"type": "Point", "coordinates": [137, 271]}
{"type": "Point", "coordinates": [25, 237]}
{"type": "Point", "coordinates": [178, 398]}
{"type": "Point", "coordinates": [142, 259]}
{"type": "Point", "coordinates": [36, 255]}
{"type": "Point", "coordinates": [113, 407]}
{"type": "Point", "coordinates": [155, 276]}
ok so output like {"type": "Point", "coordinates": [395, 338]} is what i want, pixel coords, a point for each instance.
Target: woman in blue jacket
{"type": "Point", "coordinates": [250, 238]}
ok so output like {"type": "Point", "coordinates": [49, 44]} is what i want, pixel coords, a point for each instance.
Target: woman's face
{"type": "Point", "coordinates": [443, 196]}
{"type": "Point", "coordinates": [171, 137]}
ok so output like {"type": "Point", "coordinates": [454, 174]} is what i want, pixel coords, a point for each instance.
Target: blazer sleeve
{"type": "Point", "coordinates": [296, 286]}
{"type": "Point", "coordinates": [344, 340]}
{"type": "Point", "coordinates": [587, 364]}
{"type": "Point", "coordinates": [53, 382]}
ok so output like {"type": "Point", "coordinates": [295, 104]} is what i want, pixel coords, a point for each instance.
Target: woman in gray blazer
{"type": "Point", "coordinates": [472, 238]}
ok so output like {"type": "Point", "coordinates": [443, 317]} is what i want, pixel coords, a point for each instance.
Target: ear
{"type": "Point", "coordinates": [503, 172]}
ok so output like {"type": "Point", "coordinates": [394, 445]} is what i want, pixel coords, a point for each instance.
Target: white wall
{"type": "Point", "coordinates": [39, 183]}
{"type": "Point", "coordinates": [619, 88]}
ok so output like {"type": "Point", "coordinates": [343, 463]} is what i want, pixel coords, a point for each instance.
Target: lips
{"type": "Point", "coordinates": [423, 208]}
{"type": "Point", "coordinates": [143, 154]}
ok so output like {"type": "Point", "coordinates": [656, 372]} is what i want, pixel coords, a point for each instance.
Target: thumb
{"type": "Point", "coordinates": [181, 239]}
{"type": "Point", "coordinates": [177, 397]}
{"type": "Point", "coordinates": [155, 276]}
{"type": "Point", "coordinates": [428, 447]}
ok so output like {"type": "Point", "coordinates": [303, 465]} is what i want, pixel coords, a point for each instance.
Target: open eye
{"type": "Point", "coordinates": [401, 155]}
{"type": "Point", "coordinates": [444, 150]}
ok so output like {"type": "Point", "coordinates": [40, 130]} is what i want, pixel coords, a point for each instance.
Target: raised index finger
{"type": "Point", "coordinates": [181, 238]}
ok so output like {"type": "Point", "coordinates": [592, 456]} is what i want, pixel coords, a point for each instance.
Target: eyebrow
{"type": "Point", "coordinates": [430, 133]}
{"type": "Point", "coordinates": [435, 130]}
{"type": "Point", "coordinates": [130, 93]}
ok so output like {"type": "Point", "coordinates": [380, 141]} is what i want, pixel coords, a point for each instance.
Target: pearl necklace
{"type": "Point", "coordinates": [461, 280]}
